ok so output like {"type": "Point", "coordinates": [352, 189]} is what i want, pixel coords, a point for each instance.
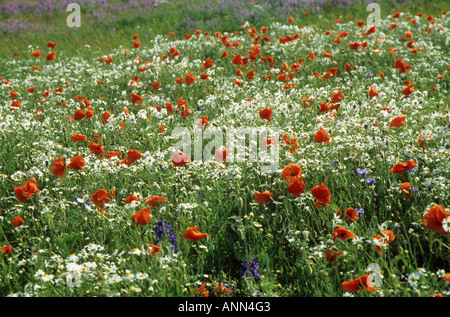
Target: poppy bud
{"type": "Point", "coordinates": [309, 270]}
{"type": "Point", "coordinates": [240, 203]}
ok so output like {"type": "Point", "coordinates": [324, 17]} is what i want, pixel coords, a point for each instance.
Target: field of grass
{"type": "Point", "coordinates": [93, 198]}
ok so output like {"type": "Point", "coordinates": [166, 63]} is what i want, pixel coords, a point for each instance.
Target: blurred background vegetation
{"type": "Point", "coordinates": [107, 24]}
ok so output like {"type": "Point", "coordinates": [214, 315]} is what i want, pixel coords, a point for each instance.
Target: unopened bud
{"type": "Point", "coordinates": [305, 234]}
{"type": "Point", "coordinates": [240, 203]}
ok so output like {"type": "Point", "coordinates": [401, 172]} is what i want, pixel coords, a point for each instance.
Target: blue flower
{"type": "Point", "coordinates": [161, 230]}
{"type": "Point", "coordinates": [250, 267]}
{"type": "Point", "coordinates": [81, 203]}
{"type": "Point", "coordinates": [363, 172]}
{"type": "Point", "coordinates": [371, 180]}
{"type": "Point", "coordinates": [359, 211]}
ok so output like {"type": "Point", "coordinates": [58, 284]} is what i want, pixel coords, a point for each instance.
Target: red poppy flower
{"type": "Point", "coordinates": [311, 56]}
{"type": "Point", "coordinates": [221, 154]}
{"type": "Point", "coordinates": [105, 116]}
{"type": "Point", "coordinates": [7, 249]}
{"type": "Point", "coordinates": [267, 142]}
{"type": "Point", "coordinates": [26, 191]}
{"type": "Point", "coordinates": [16, 104]}
{"type": "Point", "coordinates": [322, 136]}
{"type": "Point", "coordinates": [132, 156]}
{"type": "Point", "coordinates": [237, 60]}
{"type": "Point", "coordinates": [79, 115]}
{"type": "Point", "coordinates": [156, 85]}
{"type": "Point", "coordinates": [37, 54]}
{"type": "Point", "coordinates": [155, 200]}
{"type": "Point", "coordinates": [180, 159]}
{"type": "Point", "coordinates": [189, 79]}
{"type": "Point", "coordinates": [434, 219]}
{"type": "Point", "coordinates": [266, 113]}
{"type": "Point", "coordinates": [337, 96]}
{"type": "Point", "coordinates": [342, 233]}
{"type": "Point", "coordinates": [142, 217]}
{"type": "Point", "coordinates": [131, 198]}
{"type": "Point", "coordinates": [136, 98]}
{"type": "Point", "coordinates": [397, 122]}
{"type": "Point", "coordinates": [373, 92]}
{"type": "Point", "coordinates": [113, 153]}
{"type": "Point", "coordinates": [322, 195]}
{"type": "Point", "coordinates": [251, 74]}
{"type": "Point", "coordinates": [101, 197]}
{"type": "Point", "coordinates": [291, 172]}
{"type": "Point", "coordinates": [351, 214]}
{"type": "Point", "coordinates": [297, 187]}
{"type": "Point", "coordinates": [406, 189]}
{"type": "Point", "coordinates": [208, 63]}
{"type": "Point", "coordinates": [76, 163]}
{"type": "Point", "coordinates": [203, 122]}
{"type": "Point", "coordinates": [17, 221]}
{"type": "Point", "coordinates": [359, 284]}
{"type": "Point", "coordinates": [386, 238]}
{"type": "Point", "coordinates": [263, 198]}
{"type": "Point", "coordinates": [89, 113]}
{"type": "Point", "coordinates": [403, 167]}
{"type": "Point", "coordinates": [408, 90]}
{"type": "Point", "coordinates": [371, 30]}
{"type": "Point", "coordinates": [401, 65]}
{"type": "Point", "coordinates": [324, 107]}
{"type": "Point", "coordinates": [51, 56]}
{"type": "Point", "coordinates": [155, 249]}
{"type": "Point", "coordinates": [58, 167]}
{"type": "Point", "coordinates": [96, 148]}
{"type": "Point", "coordinates": [185, 112]}
{"type": "Point", "coordinates": [169, 108]}
{"type": "Point", "coordinates": [193, 234]}
{"type": "Point", "coordinates": [330, 255]}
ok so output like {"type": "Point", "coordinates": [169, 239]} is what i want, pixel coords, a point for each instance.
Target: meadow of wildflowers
{"type": "Point", "coordinates": [99, 196]}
